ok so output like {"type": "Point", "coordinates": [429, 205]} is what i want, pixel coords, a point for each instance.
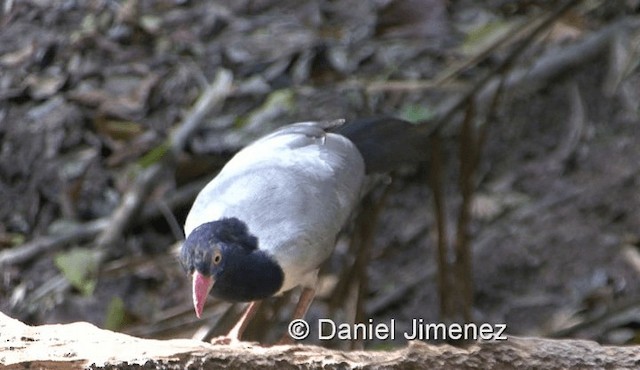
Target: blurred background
{"type": "Point", "coordinates": [525, 212]}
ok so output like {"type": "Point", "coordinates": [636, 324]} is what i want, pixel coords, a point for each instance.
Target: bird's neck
{"type": "Point", "coordinates": [252, 277]}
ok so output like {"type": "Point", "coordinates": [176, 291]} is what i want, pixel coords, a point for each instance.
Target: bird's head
{"type": "Point", "coordinates": [223, 258]}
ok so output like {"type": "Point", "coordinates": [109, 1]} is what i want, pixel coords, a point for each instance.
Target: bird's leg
{"type": "Point", "coordinates": [236, 332]}
{"type": "Point", "coordinates": [241, 325]}
{"type": "Point", "coordinates": [306, 297]}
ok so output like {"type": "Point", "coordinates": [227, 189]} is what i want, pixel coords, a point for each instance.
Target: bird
{"type": "Point", "coordinates": [271, 216]}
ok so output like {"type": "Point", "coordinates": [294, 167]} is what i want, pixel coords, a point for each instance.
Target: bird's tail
{"type": "Point", "coordinates": [386, 143]}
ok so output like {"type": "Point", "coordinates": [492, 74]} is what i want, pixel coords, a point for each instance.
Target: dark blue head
{"type": "Point", "coordinates": [224, 258]}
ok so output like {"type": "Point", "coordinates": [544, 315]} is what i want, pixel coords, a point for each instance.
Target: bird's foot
{"type": "Point", "coordinates": [225, 340]}
{"type": "Point", "coordinates": [228, 340]}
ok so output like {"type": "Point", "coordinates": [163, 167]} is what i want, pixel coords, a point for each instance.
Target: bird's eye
{"type": "Point", "coordinates": [217, 257]}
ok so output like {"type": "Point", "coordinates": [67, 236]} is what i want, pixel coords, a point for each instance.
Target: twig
{"type": "Point", "coordinates": [568, 144]}
{"type": "Point", "coordinates": [366, 225]}
{"type": "Point", "coordinates": [469, 158]}
{"type": "Point", "coordinates": [436, 176]}
{"type": "Point", "coordinates": [122, 217]}
{"type": "Point", "coordinates": [444, 79]}
{"type": "Point", "coordinates": [455, 105]}
{"type": "Point", "coordinates": [456, 304]}
{"type": "Point", "coordinates": [568, 58]}
{"type": "Point", "coordinates": [215, 94]}
{"type": "Point", "coordinates": [621, 309]}
{"type": "Point", "coordinates": [521, 81]}
{"type": "Point", "coordinates": [89, 230]}
{"type": "Point", "coordinates": [575, 127]}
{"type": "Point", "coordinates": [213, 97]}
{"type": "Point", "coordinates": [173, 200]}
{"type": "Point", "coordinates": [109, 229]}
{"type": "Point", "coordinates": [378, 305]}
{"type": "Point", "coordinates": [75, 234]}
{"type": "Point", "coordinates": [180, 320]}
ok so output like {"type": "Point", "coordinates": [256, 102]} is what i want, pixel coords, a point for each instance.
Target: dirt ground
{"type": "Point", "coordinates": [89, 90]}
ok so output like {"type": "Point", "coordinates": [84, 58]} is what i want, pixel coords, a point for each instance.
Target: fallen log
{"type": "Point", "coordinates": [81, 345]}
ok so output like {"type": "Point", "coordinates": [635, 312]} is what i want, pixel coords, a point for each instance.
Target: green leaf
{"type": "Point", "coordinates": [79, 266]}
{"type": "Point", "coordinates": [484, 35]}
{"type": "Point", "coordinates": [16, 239]}
{"type": "Point", "coordinates": [415, 113]}
{"type": "Point", "coordinates": [115, 317]}
{"type": "Point", "coordinates": [154, 155]}
{"type": "Point", "coordinates": [119, 130]}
